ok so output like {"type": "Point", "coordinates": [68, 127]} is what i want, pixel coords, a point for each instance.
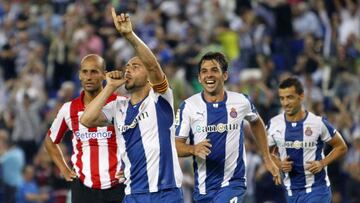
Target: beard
{"type": "Point", "coordinates": [129, 87]}
{"type": "Point", "coordinates": [132, 87]}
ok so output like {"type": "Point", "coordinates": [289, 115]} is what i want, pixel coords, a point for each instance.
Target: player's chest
{"type": "Point", "coordinates": [131, 117]}
{"type": "Point", "coordinates": [84, 133]}
{"type": "Point", "coordinates": [216, 120]}
{"type": "Point", "coordinates": [305, 136]}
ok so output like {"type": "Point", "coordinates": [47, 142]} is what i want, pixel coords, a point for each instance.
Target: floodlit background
{"type": "Point", "coordinates": [42, 42]}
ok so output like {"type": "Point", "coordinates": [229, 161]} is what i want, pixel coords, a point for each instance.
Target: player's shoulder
{"type": "Point", "coordinates": [67, 105]}
{"type": "Point", "coordinates": [194, 99]}
{"type": "Point", "coordinates": [280, 118]}
{"type": "Point", "coordinates": [237, 96]}
{"type": "Point", "coordinates": [112, 97]}
{"type": "Point", "coordinates": [311, 117]}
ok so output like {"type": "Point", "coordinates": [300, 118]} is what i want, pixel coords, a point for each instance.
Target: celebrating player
{"type": "Point", "coordinates": [300, 136]}
{"type": "Point", "coordinates": [144, 123]}
{"type": "Point", "coordinates": [213, 122]}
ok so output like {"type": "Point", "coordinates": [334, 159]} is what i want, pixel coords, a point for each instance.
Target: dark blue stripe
{"type": "Point", "coordinates": [329, 127]}
{"type": "Point", "coordinates": [297, 175]}
{"type": "Point", "coordinates": [196, 175]}
{"type": "Point", "coordinates": [165, 119]}
{"type": "Point", "coordinates": [319, 177]}
{"type": "Point", "coordinates": [238, 178]}
{"type": "Point", "coordinates": [215, 162]}
{"type": "Point", "coordinates": [268, 125]}
{"type": "Point", "coordinates": [135, 151]}
{"type": "Point", "coordinates": [178, 125]}
{"type": "Point", "coordinates": [253, 108]}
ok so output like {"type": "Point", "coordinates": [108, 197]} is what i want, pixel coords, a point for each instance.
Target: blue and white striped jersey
{"type": "Point", "coordinates": [302, 141]}
{"type": "Point", "coordinates": [147, 144]}
{"type": "Point", "coordinates": [222, 123]}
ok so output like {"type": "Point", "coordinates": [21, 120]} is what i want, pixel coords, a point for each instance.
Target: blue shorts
{"type": "Point", "coordinates": [225, 194]}
{"type": "Point", "coordinates": [173, 195]}
{"type": "Point", "coordinates": [318, 194]}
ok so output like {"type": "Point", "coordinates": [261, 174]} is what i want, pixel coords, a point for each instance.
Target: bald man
{"type": "Point", "coordinates": [95, 159]}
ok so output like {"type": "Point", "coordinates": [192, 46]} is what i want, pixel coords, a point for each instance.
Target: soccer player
{"type": "Point", "coordinates": [144, 123]}
{"type": "Point", "coordinates": [213, 122]}
{"type": "Point", "coordinates": [95, 159]}
{"type": "Point", "coordinates": [300, 136]}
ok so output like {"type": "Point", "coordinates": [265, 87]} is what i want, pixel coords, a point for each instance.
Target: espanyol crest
{"type": "Point", "coordinates": [233, 113]}
{"type": "Point", "coordinates": [308, 131]}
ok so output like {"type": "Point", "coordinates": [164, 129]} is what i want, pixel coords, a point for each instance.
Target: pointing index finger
{"type": "Point", "coordinates": [113, 13]}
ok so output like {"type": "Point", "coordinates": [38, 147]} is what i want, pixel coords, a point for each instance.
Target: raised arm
{"type": "Point", "coordinates": [93, 116]}
{"type": "Point", "coordinates": [123, 26]}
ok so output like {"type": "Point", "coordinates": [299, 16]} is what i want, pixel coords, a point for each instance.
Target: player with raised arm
{"type": "Point", "coordinates": [212, 121]}
{"type": "Point", "coordinates": [144, 123]}
{"type": "Point", "coordinates": [299, 137]}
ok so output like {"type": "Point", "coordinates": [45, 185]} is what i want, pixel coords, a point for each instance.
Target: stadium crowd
{"type": "Point", "coordinates": [42, 42]}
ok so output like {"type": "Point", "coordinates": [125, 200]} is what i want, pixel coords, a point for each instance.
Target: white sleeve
{"type": "Point", "coordinates": [250, 111]}
{"type": "Point", "coordinates": [327, 130]}
{"type": "Point", "coordinates": [109, 110]}
{"type": "Point", "coordinates": [59, 126]}
{"type": "Point", "coordinates": [167, 96]}
{"type": "Point", "coordinates": [270, 134]}
{"type": "Point", "coordinates": [182, 122]}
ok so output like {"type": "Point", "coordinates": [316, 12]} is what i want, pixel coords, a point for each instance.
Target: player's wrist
{"type": "Point", "coordinates": [322, 163]}
{"type": "Point", "coordinates": [127, 34]}
{"type": "Point", "coordinates": [267, 158]}
{"type": "Point", "coordinates": [111, 87]}
{"type": "Point", "coordinates": [192, 149]}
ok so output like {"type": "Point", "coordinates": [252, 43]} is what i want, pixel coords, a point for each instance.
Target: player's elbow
{"type": "Point", "coordinates": [87, 121]}
{"type": "Point", "coordinates": [181, 148]}
{"type": "Point", "coordinates": [343, 149]}
{"type": "Point", "coordinates": [49, 145]}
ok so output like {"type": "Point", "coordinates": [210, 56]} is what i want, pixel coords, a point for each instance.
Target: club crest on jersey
{"type": "Point", "coordinates": [308, 131]}
{"type": "Point", "coordinates": [233, 113]}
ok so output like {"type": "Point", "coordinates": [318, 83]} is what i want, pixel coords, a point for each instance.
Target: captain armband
{"type": "Point", "coordinates": [160, 87]}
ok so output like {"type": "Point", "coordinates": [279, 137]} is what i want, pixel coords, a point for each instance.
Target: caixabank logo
{"type": "Point", "coordinates": [220, 128]}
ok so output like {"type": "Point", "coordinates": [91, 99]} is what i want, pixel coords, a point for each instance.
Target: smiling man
{"type": "Point", "coordinates": [213, 122]}
{"type": "Point", "coordinates": [299, 137]}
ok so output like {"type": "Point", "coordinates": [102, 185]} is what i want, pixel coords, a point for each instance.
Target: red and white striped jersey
{"type": "Point", "coordinates": [95, 155]}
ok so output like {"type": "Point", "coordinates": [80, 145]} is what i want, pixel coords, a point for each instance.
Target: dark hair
{"type": "Point", "coordinates": [292, 81]}
{"type": "Point", "coordinates": [218, 57]}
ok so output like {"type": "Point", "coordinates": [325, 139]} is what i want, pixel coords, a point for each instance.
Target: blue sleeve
{"type": "Point", "coordinates": [331, 130]}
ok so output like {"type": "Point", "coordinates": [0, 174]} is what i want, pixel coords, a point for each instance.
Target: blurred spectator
{"type": "Point", "coordinates": [27, 127]}
{"type": "Point", "coordinates": [59, 68]}
{"type": "Point", "coordinates": [305, 21]}
{"type": "Point", "coordinates": [28, 190]}
{"type": "Point", "coordinates": [12, 161]}
{"type": "Point", "coordinates": [352, 167]}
